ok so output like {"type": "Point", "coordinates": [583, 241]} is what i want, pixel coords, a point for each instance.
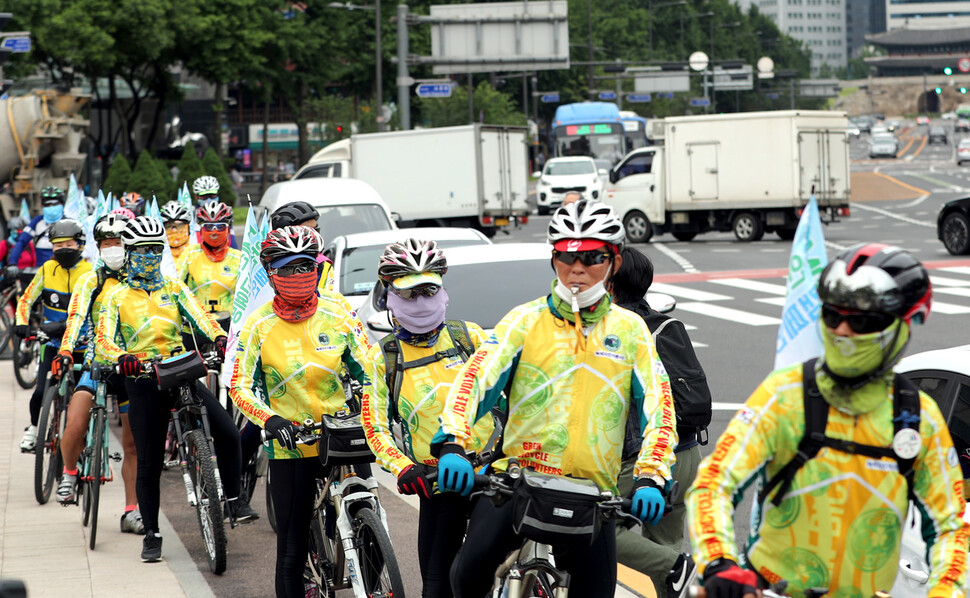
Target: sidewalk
{"type": "Point", "coordinates": [46, 546]}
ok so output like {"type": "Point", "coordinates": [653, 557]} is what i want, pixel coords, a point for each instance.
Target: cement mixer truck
{"type": "Point", "coordinates": [40, 135]}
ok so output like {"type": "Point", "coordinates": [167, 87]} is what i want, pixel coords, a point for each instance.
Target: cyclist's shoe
{"type": "Point", "coordinates": [239, 511]}
{"type": "Point", "coordinates": [131, 523]}
{"type": "Point", "coordinates": [66, 490]}
{"type": "Point", "coordinates": [151, 547]}
{"type": "Point", "coordinates": [681, 577]}
{"type": "Point", "coordinates": [29, 440]}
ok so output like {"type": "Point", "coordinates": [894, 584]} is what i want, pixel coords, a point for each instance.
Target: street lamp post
{"type": "Point", "coordinates": [713, 86]}
{"type": "Point", "coordinates": [709, 58]}
{"type": "Point", "coordinates": [378, 55]}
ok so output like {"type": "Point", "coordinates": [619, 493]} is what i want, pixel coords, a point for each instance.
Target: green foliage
{"type": "Point", "coordinates": [146, 178]}
{"type": "Point", "coordinates": [118, 177]}
{"type": "Point", "coordinates": [165, 177]}
{"type": "Point", "coordinates": [491, 107]}
{"type": "Point", "coordinates": [190, 167]}
{"type": "Point", "coordinates": [213, 166]}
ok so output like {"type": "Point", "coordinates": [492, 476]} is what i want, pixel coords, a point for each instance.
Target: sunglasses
{"type": "Point", "coordinates": [288, 270]}
{"type": "Point", "coordinates": [589, 258]}
{"type": "Point", "coordinates": [428, 290]}
{"type": "Point", "coordinates": [147, 249]}
{"type": "Point", "coordinates": [861, 322]}
{"type": "Point", "coordinates": [215, 226]}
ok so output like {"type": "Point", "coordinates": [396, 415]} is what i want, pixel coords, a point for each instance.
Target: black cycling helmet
{"type": "Point", "coordinates": [293, 214]}
{"type": "Point", "coordinates": [110, 226]}
{"type": "Point", "coordinates": [51, 193]}
{"type": "Point", "coordinates": [16, 223]}
{"type": "Point", "coordinates": [66, 229]}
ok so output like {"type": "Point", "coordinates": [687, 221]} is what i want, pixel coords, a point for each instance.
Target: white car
{"type": "Point", "coordinates": [562, 175]}
{"type": "Point", "coordinates": [963, 151]}
{"type": "Point", "coordinates": [345, 205]}
{"type": "Point", "coordinates": [949, 116]}
{"type": "Point", "coordinates": [883, 144]}
{"type": "Point", "coordinates": [945, 376]}
{"type": "Point", "coordinates": [355, 256]}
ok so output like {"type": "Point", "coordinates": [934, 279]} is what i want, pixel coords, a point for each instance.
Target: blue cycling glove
{"type": "Point", "coordinates": [455, 473]}
{"type": "Point", "coordinates": [648, 505]}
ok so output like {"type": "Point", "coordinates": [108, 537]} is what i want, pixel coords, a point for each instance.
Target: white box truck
{"type": "Point", "coordinates": [472, 175]}
{"type": "Point", "coordinates": [750, 173]}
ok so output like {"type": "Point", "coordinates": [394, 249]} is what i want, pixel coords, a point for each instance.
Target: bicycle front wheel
{"type": "Point", "coordinates": [6, 326]}
{"type": "Point", "coordinates": [208, 508]}
{"type": "Point", "coordinates": [47, 450]}
{"type": "Point", "coordinates": [378, 565]}
{"type": "Point", "coordinates": [26, 356]}
{"type": "Point", "coordinates": [270, 508]}
{"type": "Point", "coordinates": [97, 472]}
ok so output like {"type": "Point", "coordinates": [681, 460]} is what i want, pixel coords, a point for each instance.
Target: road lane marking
{"type": "Point", "coordinates": [726, 406]}
{"type": "Point", "coordinates": [900, 183]}
{"type": "Point", "coordinates": [896, 216]}
{"type": "Point", "coordinates": [958, 291]}
{"type": "Point", "coordinates": [678, 259]}
{"type": "Point", "coordinates": [687, 293]}
{"type": "Point", "coordinates": [918, 150]}
{"type": "Point", "coordinates": [779, 301]}
{"type": "Point", "coordinates": [756, 285]}
{"type": "Point", "coordinates": [950, 308]}
{"type": "Point", "coordinates": [908, 145]}
{"type": "Point", "coordinates": [943, 281]}
{"type": "Point", "coordinates": [957, 269]}
{"type": "Point", "coordinates": [726, 313]}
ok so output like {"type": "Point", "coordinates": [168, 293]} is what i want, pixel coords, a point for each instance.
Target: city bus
{"type": "Point", "coordinates": [634, 130]}
{"type": "Point", "coordinates": [589, 129]}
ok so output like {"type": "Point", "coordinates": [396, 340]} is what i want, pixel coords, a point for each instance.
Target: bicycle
{"type": "Point", "coordinates": [50, 426]}
{"type": "Point", "coordinates": [94, 467]}
{"type": "Point", "coordinates": [196, 451]}
{"type": "Point", "coordinates": [26, 351]}
{"type": "Point", "coordinates": [10, 289]}
{"type": "Point", "coordinates": [357, 542]}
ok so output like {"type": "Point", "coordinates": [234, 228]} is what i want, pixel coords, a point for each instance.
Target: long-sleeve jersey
{"type": "Point", "coordinates": [291, 369]}
{"type": "Point", "coordinates": [568, 400]}
{"type": "Point", "coordinates": [840, 524]}
{"type": "Point", "coordinates": [85, 307]}
{"type": "Point", "coordinates": [53, 285]}
{"type": "Point", "coordinates": [209, 280]}
{"type": "Point", "coordinates": [150, 324]}
{"type": "Point", "coordinates": [419, 403]}
{"type": "Point", "coordinates": [36, 233]}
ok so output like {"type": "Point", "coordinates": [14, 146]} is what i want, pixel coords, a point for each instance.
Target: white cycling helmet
{"type": "Point", "coordinates": [290, 242]}
{"type": "Point", "coordinates": [173, 211]}
{"type": "Point", "coordinates": [205, 185]}
{"type": "Point", "coordinates": [582, 221]}
{"type": "Point", "coordinates": [412, 263]}
{"type": "Point", "coordinates": [143, 230]}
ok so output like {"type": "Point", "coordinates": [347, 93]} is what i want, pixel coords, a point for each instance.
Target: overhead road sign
{"type": "Point", "coordinates": [641, 98]}
{"type": "Point", "coordinates": [17, 45]}
{"type": "Point", "coordinates": [607, 95]}
{"type": "Point", "coordinates": [652, 79]}
{"type": "Point", "coordinates": [964, 65]}
{"type": "Point", "coordinates": [434, 89]}
{"type": "Point", "coordinates": [700, 102]}
{"type": "Point", "coordinates": [550, 97]}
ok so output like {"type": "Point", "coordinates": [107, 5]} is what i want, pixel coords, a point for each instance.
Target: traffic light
{"type": "Point", "coordinates": [963, 90]}
{"type": "Point", "coordinates": [939, 90]}
{"type": "Point", "coordinates": [947, 71]}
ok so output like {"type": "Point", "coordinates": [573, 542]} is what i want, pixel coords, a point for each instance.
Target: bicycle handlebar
{"type": "Point", "coordinates": [306, 434]}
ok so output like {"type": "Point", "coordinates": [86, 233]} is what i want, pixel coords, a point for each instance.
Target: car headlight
{"type": "Point", "coordinates": [543, 183]}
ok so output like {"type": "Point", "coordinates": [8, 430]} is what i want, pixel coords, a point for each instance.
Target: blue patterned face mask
{"type": "Point", "coordinates": [53, 213]}
{"type": "Point", "coordinates": [145, 271]}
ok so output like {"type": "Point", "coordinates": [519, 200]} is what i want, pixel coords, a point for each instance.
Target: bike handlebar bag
{"type": "Point", "coordinates": [556, 510]}
{"type": "Point", "coordinates": [181, 368]}
{"type": "Point", "coordinates": [344, 441]}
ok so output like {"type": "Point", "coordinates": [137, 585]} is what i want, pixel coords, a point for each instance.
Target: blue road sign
{"type": "Point", "coordinates": [434, 90]}
{"type": "Point", "coordinates": [607, 95]}
{"type": "Point", "coordinates": [700, 102]}
{"type": "Point", "coordinates": [639, 97]}
{"type": "Point", "coordinates": [771, 96]}
{"type": "Point", "coordinates": [550, 98]}
{"type": "Point", "coordinates": [17, 45]}
{"type": "Point", "coordinates": [669, 95]}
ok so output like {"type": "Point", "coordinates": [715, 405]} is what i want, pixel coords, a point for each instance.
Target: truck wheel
{"type": "Point", "coordinates": [543, 210]}
{"type": "Point", "coordinates": [638, 227]}
{"type": "Point", "coordinates": [786, 234]}
{"type": "Point", "coordinates": [682, 236]}
{"type": "Point", "coordinates": [956, 233]}
{"type": "Point", "coordinates": [747, 227]}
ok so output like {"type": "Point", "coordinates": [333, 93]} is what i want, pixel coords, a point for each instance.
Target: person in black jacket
{"type": "Point", "coordinates": [657, 551]}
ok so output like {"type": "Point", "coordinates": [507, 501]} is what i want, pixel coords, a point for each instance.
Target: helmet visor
{"type": "Point", "coordinates": [413, 280]}
{"type": "Point", "coordinates": [867, 289]}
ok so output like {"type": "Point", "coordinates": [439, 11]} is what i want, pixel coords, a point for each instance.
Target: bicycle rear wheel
{"type": "Point", "coordinates": [26, 357]}
{"type": "Point", "coordinates": [319, 572]}
{"type": "Point", "coordinates": [97, 471]}
{"type": "Point", "coordinates": [47, 450]}
{"type": "Point", "coordinates": [208, 508]}
{"type": "Point", "coordinates": [270, 509]}
{"type": "Point", "coordinates": [378, 565]}
{"type": "Point", "coordinates": [6, 326]}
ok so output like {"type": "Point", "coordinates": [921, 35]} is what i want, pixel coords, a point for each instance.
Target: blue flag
{"type": "Point", "coordinates": [24, 212]}
{"type": "Point", "coordinates": [799, 337]}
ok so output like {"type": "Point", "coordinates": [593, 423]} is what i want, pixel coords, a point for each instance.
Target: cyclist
{"type": "Point", "coordinates": [206, 189]}
{"type": "Point", "coordinates": [573, 365]}
{"type": "Point", "coordinates": [427, 354]}
{"type": "Point", "coordinates": [82, 315]}
{"type": "Point", "coordinates": [142, 319]}
{"type": "Point", "coordinates": [53, 285]}
{"type": "Point", "coordinates": [300, 213]}
{"type": "Point", "coordinates": [124, 212]}
{"type": "Point", "coordinates": [290, 351]}
{"type": "Point", "coordinates": [134, 202]}
{"type": "Point", "coordinates": [28, 258]}
{"type": "Point", "coordinates": [210, 268]}
{"type": "Point", "coordinates": [833, 518]}
{"type": "Point", "coordinates": [52, 202]}
{"type": "Point", "coordinates": [176, 219]}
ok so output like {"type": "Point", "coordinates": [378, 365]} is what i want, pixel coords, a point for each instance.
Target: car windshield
{"type": "Point", "coordinates": [883, 139]}
{"type": "Point", "coordinates": [936, 131]}
{"type": "Point", "coordinates": [358, 268]}
{"type": "Point", "coordinates": [354, 218]}
{"type": "Point", "coordinates": [473, 294]}
{"type": "Point", "coordinates": [571, 167]}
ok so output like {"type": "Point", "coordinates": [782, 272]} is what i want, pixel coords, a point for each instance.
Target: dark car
{"type": "Point", "coordinates": [937, 135]}
{"type": "Point", "coordinates": [953, 226]}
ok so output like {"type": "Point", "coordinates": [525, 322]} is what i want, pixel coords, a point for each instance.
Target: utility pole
{"type": "Point", "coordinates": [589, 40]}
{"type": "Point", "coordinates": [403, 79]}
{"type": "Point", "coordinates": [380, 68]}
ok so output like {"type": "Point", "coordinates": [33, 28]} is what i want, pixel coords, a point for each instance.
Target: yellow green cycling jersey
{"type": "Point", "coordinates": [840, 524]}
{"type": "Point", "coordinates": [419, 402]}
{"type": "Point", "coordinates": [209, 280]}
{"type": "Point", "coordinates": [327, 282]}
{"type": "Point", "coordinates": [149, 324]}
{"type": "Point", "coordinates": [291, 369]}
{"type": "Point", "coordinates": [85, 307]}
{"type": "Point", "coordinates": [52, 285]}
{"type": "Point", "coordinates": [568, 399]}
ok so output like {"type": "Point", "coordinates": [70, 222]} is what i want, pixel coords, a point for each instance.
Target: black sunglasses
{"type": "Point", "coordinates": [589, 258]}
{"type": "Point", "coordinates": [146, 249]}
{"type": "Point", "coordinates": [216, 226]}
{"type": "Point", "coordinates": [428, 290]}
{"type": "Point", "coordinates": [861, 322]}
{"type": "Point", "coordinates": [288, 270]}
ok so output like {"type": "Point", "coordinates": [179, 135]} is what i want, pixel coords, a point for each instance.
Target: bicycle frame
{"type": "Point", "coordinates": [187, 416]}
{"type": "Point", "coordinates": [342, 480]}
{"type": "Point", "coordinates": [100, 404]}
{"type": "Point", "coordinates": [522, 568]}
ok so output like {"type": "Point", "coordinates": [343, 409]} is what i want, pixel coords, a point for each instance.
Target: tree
{"type": "Point", "coordinates": [190, 167]}
{"type": "Point", "coordinates": [118, 176]}
{"type": "Point", "coordinates": [491, 107]}
{"type": "Point", "coordinates": [146, 179]}
{"type": "Point", "coordinates": [165, 176]}
{"type": "Point", "coordinates": [213, 166]}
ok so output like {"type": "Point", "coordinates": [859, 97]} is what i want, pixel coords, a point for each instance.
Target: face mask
{"type": "Point", "coordinates": [216, 238]}
{"type": "Point", "coordinates": [421, 314]}
{"type": "Point", "coordinates": [67, 257]}
{"type": "Point", "coordinates": [178, 236]}
{"type": "Point", "coordinates": [53, 213]}
{"type": "Point", "coordinates": [113, 257]}
{"type": "Point", "coordinates": [144, 270]}
{"type": "Point", "coordinates": [296, 289]}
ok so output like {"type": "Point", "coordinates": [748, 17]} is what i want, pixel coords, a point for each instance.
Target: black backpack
{"type": "Point", "coordinates": [906, 408]}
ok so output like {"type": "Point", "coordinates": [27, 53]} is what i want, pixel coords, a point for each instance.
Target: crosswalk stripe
{"type": "Point", "coordinates": [943, 281]}
{"type": "Point", "coordinates": [959, 292]}
{"type": "Point", "coordinates": [755, 285]}
{"type": "Point", "coordinates": [949, 308]}
{"type": "Point", "coordinates": [956, 269]}
{"type": "Point", "coordinates": [779, 301]}
{"type": "Point", "coordinates": [687, 292]}
{"type": "Point", "coordinates": [727, 313]}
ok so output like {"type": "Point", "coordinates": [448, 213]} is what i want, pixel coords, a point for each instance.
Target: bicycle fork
{"type": "Point", "coordinates": [348, 539]}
